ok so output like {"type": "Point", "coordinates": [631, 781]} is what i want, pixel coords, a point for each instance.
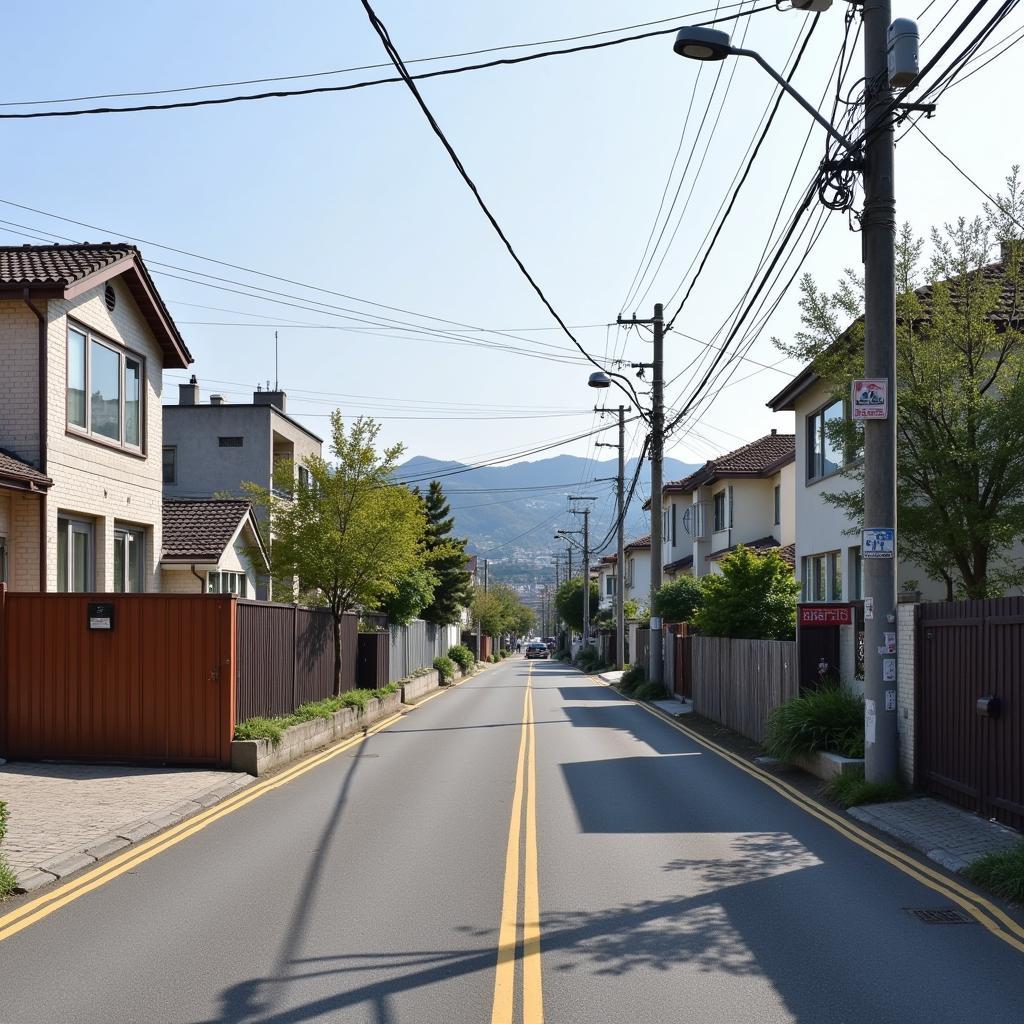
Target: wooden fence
{"type": "Point", "coordinates": [737, 682]}
{"type": "Point", "coordinates": [286, 657]}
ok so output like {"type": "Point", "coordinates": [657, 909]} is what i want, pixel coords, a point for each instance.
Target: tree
{"type": "Point", "coordinates": [447, 557]}
{"type": "Point", "coordinates": [960, 369]}
{"type": "Point", "coordinates": [679, 599]}
{"type": "Point", "coordinates": [351, 535]}
{"type": "Point", "coordinates": [753, 598]}
{"type": "Point", "coordinates": [413, 593]}
{"type": "Point", "coordinates": [569, 602]}
{"type": "Point", "coordinates": [499, 610]}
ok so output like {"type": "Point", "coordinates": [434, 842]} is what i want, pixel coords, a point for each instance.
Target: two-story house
{"type": "Point", "coordinates": [637, 576]}
{"type": "Point", "coordinates": [743, 497]}
{"type": "Point", "coordinates": [84, 340]}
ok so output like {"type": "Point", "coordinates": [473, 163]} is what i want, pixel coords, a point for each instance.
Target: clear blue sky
{"type": "Point", "coordinates": [352, 192]}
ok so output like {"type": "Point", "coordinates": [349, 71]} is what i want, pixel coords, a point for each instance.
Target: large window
{"type": "Point", "coordinates": [823, 577]}
{"type": "Point", "coordinates": [225, 582]}
{"type": "Point", "coordinates": [719, 510]}
{"type": "Point", "coordinates": [129, 563]}
{"type": "Point", "coordinates": [74, 555]}
{"type": "Point", "coordinates": [104, 389]}
{"type": "Point", "coordinates": [824, 448]}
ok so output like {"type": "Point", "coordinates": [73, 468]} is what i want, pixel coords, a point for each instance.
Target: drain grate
{"type": "Point", "coordinates": [940, 915]}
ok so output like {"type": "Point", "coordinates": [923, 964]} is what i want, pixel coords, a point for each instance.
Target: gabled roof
{"type": "Point", "coordinates": [200, 529]}
{"type": "Point", "coordinates": [66, 271]}
{"type": "Point", "coordinates": [678, 564]}
{"type": "Point", "coordinates": [16, 475]}
{"type": "Point", "coordinates": [763, 457]}
{"type": "Point", "coordinates": [639, 544]}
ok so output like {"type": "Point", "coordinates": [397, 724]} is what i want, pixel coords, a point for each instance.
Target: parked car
{"type": "Point", "coordinates": [552, 643]}
{"type": "Point", "coordinates": [537, 650]}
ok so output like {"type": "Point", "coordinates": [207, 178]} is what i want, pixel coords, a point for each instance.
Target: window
{"type": "Point", "coordinates": [824, 450]}
{"type": "Point", "coordinates": [673, 507]}
{"type": "Point", "coordinates": [227, 583]}
{"type": "Point", "coordinates": [129, 563]}
{"type": "Point", "coordinates": [170, 465]}
{"type": "Point", "coordinates": [856, 575]}
{"type": "Point", "coordinates": [730, 506]}
{"type": "Point", "coordinates": [303, 478]}
{"type": "Point", "coordinates": [104, 389]}
{"type": "Point", "coordinates": [823, 577]}
{"type": "Point", "coordinates": [719, 510]}
{"type": "Point", "coordinates": [609, 586]}
{"type": "Point", "coordinates": [629, 572]}
{"type": "Point", "coordinates": [4, 578]}
{"type": "Point", "coordinates": [230, 442]}
{"type": "Point", "coordinates": [777, 498]}
{"type": "Point", "coordinates": [74, 556]}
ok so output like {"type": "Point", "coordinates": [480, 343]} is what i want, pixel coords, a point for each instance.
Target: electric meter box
{"type": "Point", "coordinates": [903, 59]}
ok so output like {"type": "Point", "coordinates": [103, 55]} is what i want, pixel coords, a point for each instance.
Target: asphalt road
{"type": "Point", "coordinates": [511, 852]}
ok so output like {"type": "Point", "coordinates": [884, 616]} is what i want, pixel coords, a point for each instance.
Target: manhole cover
{"type": "Point", "coordinates": [941, 915]}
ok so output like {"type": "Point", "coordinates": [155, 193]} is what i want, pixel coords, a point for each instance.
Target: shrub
{"type": "Point", "coordinates": [632, 678]}
{"type": "Point", "coordinates": [462, 656]}
{"type": "Point", "coordinates": [679, 600]}
{"type": "Point", "coordinates": [588, 659]}
{"type": "Point", "coordinates": [445, 669]}
{"type": "Point", "coordinates": [851, 790]}
{"type": "Point", "coordinates": [8, 879]}
{"type": "Point", "coordinates": [505, 652]}
{"type": "Point", "coordinates": [831, 718]}
{"type": "Point", "coordinates": [650, 690]}
{"type": "Point", "coordinates": [1001, 872]}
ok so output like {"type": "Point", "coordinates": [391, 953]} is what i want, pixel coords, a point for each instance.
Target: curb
{"type": "Point", "coordinates": [70, 861]}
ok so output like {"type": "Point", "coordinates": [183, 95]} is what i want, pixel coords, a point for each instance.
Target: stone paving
{"type": "Point", "coordinates": [64, 817]}
{"type": "Point", "coordinates": [945, 834]}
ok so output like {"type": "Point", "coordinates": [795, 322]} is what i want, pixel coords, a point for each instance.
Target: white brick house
{"type": "Point", "coordinates": [84, 340]}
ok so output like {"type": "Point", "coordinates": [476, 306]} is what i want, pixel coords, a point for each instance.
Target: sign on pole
{"type": "Point", "coordinates": [879, 542]}
{"type": "Point", "coordinates": [869, 399]}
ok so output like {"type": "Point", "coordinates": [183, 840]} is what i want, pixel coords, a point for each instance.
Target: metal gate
{"type": "Point", "coordinates": [152, 681]}
{"type": "Point", "coordinates": [970, 705]}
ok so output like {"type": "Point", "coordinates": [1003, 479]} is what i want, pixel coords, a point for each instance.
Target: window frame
{"type": "Point", "coordinates": [76, 524]}
{"type": "Point", "coordinates": [122, 531]}
{"type": "Point", "coordinates": [718, 516]}
{"type": "Point", "coordinates": [124, 354]}
{"type": "Point", "coordinates": [173, 449]}
{"type": "Point", "coordinates": [241, 579]}
{"type": "Point", "coordinates": [814, 428]}
{"type": "Point", "coordinates": [825, 568]}
{"type": "Point", "coordinates": [777, 501]}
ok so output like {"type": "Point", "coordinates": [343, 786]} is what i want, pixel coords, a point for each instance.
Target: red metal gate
{"type": "Point", "coordinates": [968, 651]}
{"type": "Point", "coordinates": [157, 686]}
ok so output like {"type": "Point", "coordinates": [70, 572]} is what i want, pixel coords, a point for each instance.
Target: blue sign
{"type": "Point", "coordinates": [879, 542]}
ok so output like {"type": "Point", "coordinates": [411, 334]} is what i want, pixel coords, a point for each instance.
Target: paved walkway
{"type": "Point", "coordinates": [64, 817]}
{"type": "Point", "coordinates": [945, 834]}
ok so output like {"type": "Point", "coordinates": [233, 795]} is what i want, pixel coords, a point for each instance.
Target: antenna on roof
{"type": "Point", "coordinates": [277, 380]}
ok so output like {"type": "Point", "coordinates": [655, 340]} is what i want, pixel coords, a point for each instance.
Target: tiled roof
{"type": "Point", "coordinates": [200, 529]}
{"type": "Point", "coordinates": [762, 544]}
{"type": "Point", "coordinates": [788, 555]}
{"type": "Point", "coordinates": [640, 542]}
{"type": "Point", "coordinates": [764, 455]}
{"type": "Point", "coordinates": [680, 563]}
{"type": "Point", "coordinates": [58, 264]}
{"type": "Point", "coordinates": [21, 473]}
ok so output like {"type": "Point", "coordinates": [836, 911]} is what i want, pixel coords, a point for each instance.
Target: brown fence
{"type": "Point", "coordinates": [149, 677]}
{"type": "Point", "coordinates": [737, 682]}
{"type": "Point", "coordinates": [286, 657]}
{"type": "Point", "coordinates": [372, 659]}
{"type": "Point", "coordinates": [643, 648]}
{"type": "Point", "coordinates": [968, 651]}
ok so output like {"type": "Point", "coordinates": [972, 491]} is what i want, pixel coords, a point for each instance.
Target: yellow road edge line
{"type": "Point", "coordinates": [533, 996]}
{"type": "Point", "coordinates": [112, 867]}
{"type": "Point", "coordinates": [974, 903]}
{"type": "Point", "coordinates": [504, 975]}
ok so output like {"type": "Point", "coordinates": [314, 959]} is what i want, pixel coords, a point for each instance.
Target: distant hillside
{"type": "Point", "coordinates": [510, 513]}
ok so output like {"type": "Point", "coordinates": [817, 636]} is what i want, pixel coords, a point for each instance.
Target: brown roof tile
{"type": "Point", "coordinates": [200, 529]}
{"type": "Point", "coordinates": [58, 264]}
{"type": "Point", "coordinates": [760, 545]}
{"type": "Point", "coordinates": [765, 455]}
{"type": "Point", "coordinates": [639, 543]}
{"type": "Point", "coordinates": [21, 474]}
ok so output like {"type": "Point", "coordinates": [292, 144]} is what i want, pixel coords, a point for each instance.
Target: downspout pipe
{"type": "Point", "coordinates": [202, 582]}
{"type": "Point", "coordinates": [42, 427]}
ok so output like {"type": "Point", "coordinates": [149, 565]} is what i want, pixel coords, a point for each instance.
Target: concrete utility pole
{"type": "Point", "coordinates": [879, 240]}
{"type": "Point", "coordinates": [655, 669]}
{"type": "Point", "coordinates": [620, 576]}
{"type": "Point", "coordinates": [585, 512]}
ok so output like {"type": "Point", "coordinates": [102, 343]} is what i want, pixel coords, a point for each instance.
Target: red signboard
{"type": "Point", "coordinates": [825, 615]}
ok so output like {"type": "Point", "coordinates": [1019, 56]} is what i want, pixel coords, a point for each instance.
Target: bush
{"type": "Point", "coordinates": [851, 790]}
{"type": "Point", "coordinates": [494, 659]}
{"type": "Point", "coordinates": [679, 600]}
{"type": "Point", "coordinates": [505, 652]}
{"type": "Point", "coordinates": [260, 728]}
{"type": "Point", "coordinates": [462, 656]}
{"type": "Point", "coordinates": [1002, 873]}
{"type": "Point", "coordinates": [588, 659]}
{"type": "Point", "coordinates": [632, 678]}
{"type": "Point", "coordinates": [650, 690]}
{"type": "Point", "coordinates": [445, 669]}
{"type": "Point", "coordinates": [831, 718]}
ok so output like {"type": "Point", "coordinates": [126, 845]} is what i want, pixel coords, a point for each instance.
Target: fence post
{"type": "Point", "coordinates": [295, 655]}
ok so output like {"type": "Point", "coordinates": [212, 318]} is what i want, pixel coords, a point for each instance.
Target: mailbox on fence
{"type": "Point", "coordinates": [100, 615]}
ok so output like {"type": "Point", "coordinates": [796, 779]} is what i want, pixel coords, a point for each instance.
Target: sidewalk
{"type": "Point", "coordinates": [64, 817]}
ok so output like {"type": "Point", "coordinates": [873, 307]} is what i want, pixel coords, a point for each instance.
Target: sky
{"type": "Point", "coordinates": [352, 194]}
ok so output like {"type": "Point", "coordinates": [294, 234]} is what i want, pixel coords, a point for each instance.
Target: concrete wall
{"type": "Point", "coordinates": [906, 668]}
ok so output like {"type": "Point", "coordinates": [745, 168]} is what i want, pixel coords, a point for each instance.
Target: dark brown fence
{"type": "Point", "coordinates": [968, 651]}
{"type": "Point", "coordinates": [372, 659]}
{"type": "Point", "coordinates": [737, 682]}
{"type": "Point", "coordinates": [156, 684]}
{"type": "Point", "coordinates": [643, 648]}
{"type": "Point", "coordinates": [286, 657]}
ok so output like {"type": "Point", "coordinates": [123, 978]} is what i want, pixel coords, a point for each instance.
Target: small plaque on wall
{"type": "Point", "coordinates": [100, 615]}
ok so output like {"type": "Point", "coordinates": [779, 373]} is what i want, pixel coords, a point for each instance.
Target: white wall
{"type": "Point", "coordinates": [639, 589]}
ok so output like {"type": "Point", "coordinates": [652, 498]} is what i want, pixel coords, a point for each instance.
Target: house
{"type": "Point", "coordinates": [637, 554]}
{"type": "Point", "coordinates": [743, 497]}
{"type": "Point", "coordinates": [84, 341]}
{"type": "Point", "coordinates": [606, 575]}
{"type": "Point", "coordinates": [211, 546]}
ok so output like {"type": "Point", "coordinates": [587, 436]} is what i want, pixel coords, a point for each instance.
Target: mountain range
{"type": "Point", "coordinates": [510, 513]}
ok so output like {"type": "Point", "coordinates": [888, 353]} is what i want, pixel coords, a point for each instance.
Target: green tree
{"type": "Point", "coordinates": [960, 370]}
{"type": "Point", "coordinates": [413, 593]}
{"type": "Point", "coordinates": [753, 598]}
{"type": "Point", "coordinates": [447, 557]}
{"type": "Point", "coordinates": [569, 602]}
{"type": "Point", "coordinates": [349, 537]}
{"type": "Point", "coordinates": [679, 599]}
{"type": "Point", "coordinates": [499, 610]}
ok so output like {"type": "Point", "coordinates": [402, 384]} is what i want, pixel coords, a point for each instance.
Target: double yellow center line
{"type": "Point", "coordinates": [522, 849]}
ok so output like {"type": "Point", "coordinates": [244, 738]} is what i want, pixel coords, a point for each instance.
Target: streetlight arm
{"type": "Point", "coordinates": [838, 136]}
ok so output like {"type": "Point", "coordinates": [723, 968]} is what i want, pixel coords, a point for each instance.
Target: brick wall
{"type": "Point", "coordinates": [181, 581]}
{"type": "Point", "coordinates": [19, 357]}
{"type": "Point", "coordinates": [906, 636]}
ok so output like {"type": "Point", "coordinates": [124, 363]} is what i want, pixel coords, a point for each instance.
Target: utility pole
{"type": "Point", "coordinates": [620, 552]}
{"type": "Point", "coordinates": [657, 323]}
{"type": "Point", "coordinates": [879, 240]}
{"type": "Point", "coordinates": [585, 512]}
{"type": "Point", "coordinates": [485, 575]}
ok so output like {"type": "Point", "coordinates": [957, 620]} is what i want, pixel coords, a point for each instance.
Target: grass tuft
{"type": "Point", "coordinates": [831, 719]}
{"type": "Point", "coordinates": [1001, 873]}
{"type": "Point", "coordinates": [852, 790]}
{"type": "Point", "coordinates": [650, 690]}
{"type": "Point", "coordinates": [8, 879]}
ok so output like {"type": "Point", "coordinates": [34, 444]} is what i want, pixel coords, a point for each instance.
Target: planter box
{"type": "Point", "coordinates": [827, 766]}
{"type": "Point", "coordinates": [258, 756]}
{"type": "Point", "coordinates": [421, 685]}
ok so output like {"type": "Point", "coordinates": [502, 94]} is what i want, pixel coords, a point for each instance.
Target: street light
{"type": "Point", "coordinates": [599, 379]}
